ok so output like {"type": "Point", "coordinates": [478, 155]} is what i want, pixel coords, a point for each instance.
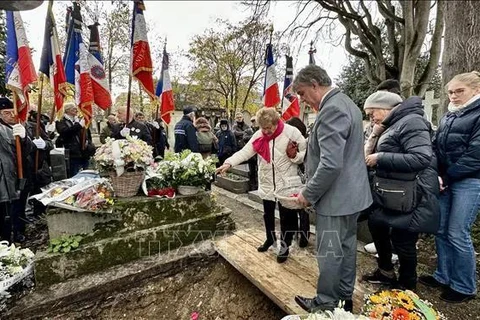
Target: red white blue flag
{"type": "Point", "coordinates": [101, 92]}
{"type": "Point", "coordinates": [271, 94]}
{"type": "Point", "coordinates": [77, 68]}
{"type": "Point", "coordinates": [142, 68]}
{"type": "Point", "coordinates": [51, 64]}
{"type": "Point", "coordinates": [19, 69]}
{"type": "Point", "coordinates": [290, 105]}
{"type": "Point", "coordinates": [164, 90]}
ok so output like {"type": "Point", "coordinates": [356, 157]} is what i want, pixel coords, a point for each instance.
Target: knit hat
{"type": "Point", "coordinates": [382, 100]}
{"type": "Point", "coordinates": [5, 103]}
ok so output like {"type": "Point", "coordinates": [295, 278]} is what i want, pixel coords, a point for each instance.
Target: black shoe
{"type": "Point", "coordinates": [283, 255]}
{"type": "Point", "coordinates": [348, 305]}
{"type": "Point", "coordinates": [303, 242]}
{"type": "Point", "coordinates": [431, 282]}
{"type": "Point", "coordinates": [452, 296]}
{"type": "Point", "coordinates": [264, 247]}
{"type": "Point", "coordinates": [403, 286]}
{"type": "Point", "coordinates": [311, 305]}
{"type": "Point", "coordinates": [377, 277]}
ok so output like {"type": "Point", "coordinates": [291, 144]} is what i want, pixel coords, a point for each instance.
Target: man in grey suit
{"type": "Point", "coordinates": [337, 186]}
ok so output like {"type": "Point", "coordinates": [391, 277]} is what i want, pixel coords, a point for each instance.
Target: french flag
{"type": "Point", "coordinates": [101, 92]}
{"type": "Point", "coordinates": [142, 67]}
{"type": "Point", "coordinates": [51, 64]}
{"type": "Point", "coordinates": [77, 68]}
{"type": "Point", "coordinates": [19, 69]}
{"type": "Point", "coordinates": [271, 94]}
{"type": "Point", "coordinates": [290, 105]}
{"type": "Point", "coordinates": [164, 90]}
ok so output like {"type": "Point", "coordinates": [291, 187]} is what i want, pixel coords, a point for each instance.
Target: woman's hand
{"type": "Point", "coordinates": [223, 168]}
{"type": "Point", "coordinates": [371, 160]}
{"type": "Point", "coordinates": [442, 186]}
{"type": "Point", "coordinates": [292, 149]}
{"type": "Point", "coordinates": [301, 200]}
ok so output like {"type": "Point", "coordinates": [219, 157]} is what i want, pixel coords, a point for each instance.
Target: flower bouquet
{"type": "Point", "coordinates": [126, 161]}
{"type": "Point", "coordinates": [399, 305]}
{"type": "Point", "coordinates": [15, 264]}
{"type": "Point", "coordinates": [336, 314]}
{"type": "Point", "coordinates": [178, 171]}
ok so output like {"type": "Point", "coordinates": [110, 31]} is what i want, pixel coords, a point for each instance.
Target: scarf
{"type": "Point", "coordinates": [372, 140]}
{"type": "Point", "coordinates": [261, 144]}
{"type": "Point", "coordinates": [454, 108]}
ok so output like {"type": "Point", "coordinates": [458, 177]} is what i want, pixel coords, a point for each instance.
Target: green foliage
{"type": "Point", "coordinates": [353, 82]}
{"type": "Point", "coordinates": [64, 244]}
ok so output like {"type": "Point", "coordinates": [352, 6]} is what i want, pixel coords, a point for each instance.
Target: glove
{"type": "Point", "coordinates": [50, 127]}
{"type": "Point", "coordinates": [40, 143]}
{"type": "Point", "coordinates": [18, 130]}
{"type": "Point", "coordinates": [82, 122]}
{"type": "Point", "coordinates": [125, 132]}
{"type": "Point", "coordinates": [155, 125]}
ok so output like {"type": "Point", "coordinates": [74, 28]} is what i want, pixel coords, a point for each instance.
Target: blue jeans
{"type": "Point", "coordinates": [76, 165]}
{"type": "Point", "coordinates": [459, 205]}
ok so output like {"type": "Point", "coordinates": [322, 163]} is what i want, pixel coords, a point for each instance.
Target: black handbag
{"type": "Point", "coordinates": [399, 196]}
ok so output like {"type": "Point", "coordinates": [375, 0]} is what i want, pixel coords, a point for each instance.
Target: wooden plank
{"type": "Point", "coordinates": [280, 282]}
{"type": "Point", "coordinates": [271, 284]}
{"type": "Point", "coordinates": [301, 263]}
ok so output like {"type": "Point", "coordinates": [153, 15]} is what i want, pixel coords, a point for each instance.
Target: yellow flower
{"type": "Point", "coordinates": [414, 316]}
{"type": "Point", "coordinates": [405, 301]}
{"type": "Point", "coordinates": [376, 299]}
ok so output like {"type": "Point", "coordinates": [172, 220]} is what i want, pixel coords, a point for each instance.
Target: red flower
{"type": "Point", "coordinates": [400, 314]}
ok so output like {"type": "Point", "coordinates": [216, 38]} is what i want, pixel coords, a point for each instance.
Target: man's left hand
{"type": "Point", "coordinates": [301, 199]}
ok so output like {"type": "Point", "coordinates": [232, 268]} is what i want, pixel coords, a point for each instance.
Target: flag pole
{"type": "Point", "coordinates": [18, 144]}
{"type": "Point", "coordinates": [39, 115]}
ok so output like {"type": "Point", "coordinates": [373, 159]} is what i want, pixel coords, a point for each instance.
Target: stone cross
{"type": "Point", "coordinates": [428, 104]}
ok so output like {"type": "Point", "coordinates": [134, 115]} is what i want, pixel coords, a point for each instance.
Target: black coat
{"type": "Point", "coordinates": [186, 135]}
{"type": "Point", "coordinates": [405, 150]}
{"type": "Point", "coordinates": [457, 144]}
{"type": "Point", "coordinates": [43, 176]}
{"type": "Point", "coordinates": [137, 129]}
{"type": "Point", "coordinates": [70, 137]}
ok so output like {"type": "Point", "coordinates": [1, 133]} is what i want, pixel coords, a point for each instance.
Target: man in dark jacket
{"type": "Point", "coordinates": [107, 130]}
{"type": "Point", "coordinates": [70, 129]}
{"type": "Point", "coordinates": [227, 144]}
{"type": "Point", "coordinates": [160, 137]}
{"type": "Point", "coordinates": [12, 191]}
{"type": "Point", "coordinates": [239, 128]}
{"type": "Point", "coordinates": [39, 169]}
{"type": "Point", "coordinates": [131, 127]}
{"type": "Point", "coordinates": [185, 132]}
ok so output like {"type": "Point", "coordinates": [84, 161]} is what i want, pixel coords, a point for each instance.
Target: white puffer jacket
{"type": "Point", "coordinates": [273, 176]}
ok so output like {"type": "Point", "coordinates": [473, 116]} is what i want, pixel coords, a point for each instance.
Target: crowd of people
{"type": "Point", "coordinates": [397, 172]}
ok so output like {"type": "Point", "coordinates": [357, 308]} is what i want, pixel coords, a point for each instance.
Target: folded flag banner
{"type": "Point", "coordinates": [77, 68]}
{"type": "Point", "coordinates": [101, 92]}
{"type": "Point", "coordinates": [271, 94]}
{"type": "Point", "coordinates": [19, 69]}
{"type": "Point", "coordinates": [141, 63]}
{"type": "Point", "coordinates": [290, 104]}
{"type": "Point", "coordinates": [51, 65]}
{"type": "Point", "coordinates": [164, 90]}
{"type": "Point", "coordinates": [311, 52]}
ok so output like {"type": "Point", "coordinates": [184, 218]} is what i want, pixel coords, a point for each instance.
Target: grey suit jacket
{"type": "Point", "coordinates": [337, 181]}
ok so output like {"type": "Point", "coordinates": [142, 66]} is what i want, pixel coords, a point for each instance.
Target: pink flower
{"type": "Point", "coordinates": [194, 316]}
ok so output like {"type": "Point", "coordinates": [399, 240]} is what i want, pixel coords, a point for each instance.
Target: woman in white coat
{"type": "Point", "coordinates": [280, 148]}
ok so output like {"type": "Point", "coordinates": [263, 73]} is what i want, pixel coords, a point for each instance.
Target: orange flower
{"type": "Point", "coordinates": [400, 314]}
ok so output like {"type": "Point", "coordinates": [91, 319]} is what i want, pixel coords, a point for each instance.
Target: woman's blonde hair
{"type": "Point", "coordinates": [267, 116]}
{"type": "Point", "coordinates": [470, 79]}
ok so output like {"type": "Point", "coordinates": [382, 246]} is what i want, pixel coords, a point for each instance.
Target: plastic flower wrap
{"type": "Point", "coordinates": [399, 305]}
{"type": "Point", "coordinates": [336, 314]}
{"type": "Point", "coordinates": [127, 154]}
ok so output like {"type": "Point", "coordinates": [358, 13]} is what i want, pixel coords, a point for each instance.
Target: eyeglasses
{"type": "Point", "coordinates": [457, 92]}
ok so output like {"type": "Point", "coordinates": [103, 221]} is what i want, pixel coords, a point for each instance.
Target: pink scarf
{"type": "Point", "coordinates": [261, 144]}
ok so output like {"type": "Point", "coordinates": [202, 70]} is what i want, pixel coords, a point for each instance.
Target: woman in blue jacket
{"type": "Point", "coordinates": [457, 146]}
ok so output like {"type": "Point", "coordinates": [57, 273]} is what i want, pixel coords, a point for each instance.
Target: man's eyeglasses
{"type": "Point", "coordinates": [457, 92]}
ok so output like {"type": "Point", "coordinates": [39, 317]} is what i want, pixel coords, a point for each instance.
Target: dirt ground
{"type": "Point", "coordinates": [217, 291]}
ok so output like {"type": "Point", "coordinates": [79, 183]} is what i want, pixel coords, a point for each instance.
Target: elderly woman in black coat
{"type": "Point", "coordinates": [405, 185]}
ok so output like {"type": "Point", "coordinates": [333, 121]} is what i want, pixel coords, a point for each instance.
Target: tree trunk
{"type": "Point", "coordinates": [461, 52]}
